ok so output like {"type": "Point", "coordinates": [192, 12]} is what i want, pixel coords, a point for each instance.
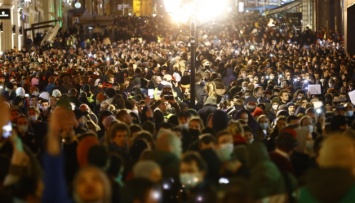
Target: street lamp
{"type": "Point", "coordinates": [197, 12]}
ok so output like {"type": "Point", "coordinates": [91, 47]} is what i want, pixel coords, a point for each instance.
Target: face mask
{"type": "Point", "coordinates": [184, 126]}
{"type": "Point", "coordinates": [44, 108]}
{"type": "Point", "coordinates": [251, 141]}
{"type": "Point", "coordinates": [224, 153]}
{"type": "Point", "coordinates": [264, 126]}
{"type": "Point", "coordinates": [35, 93]}
{"type": "Point", "coordinates": [310, 144]}
{"type": "Point", "coordinates": [310, 128]}
{"type": "Point", "coordinates": [194, 133]}
{"type": "Point", "coordinates": [34, 118]}
{"type": "Point", "coordinates": [22, 128]}
{"type": "Point", "coordinates": [275, 106]}
{"type": "Point", "coordinates": [244, 88]}
{"type": "Point", "coordinates": [272, 77]}
{"type": "Point", "coordinates": [189, 180]}
{"type": "Point", "coordinates": [349, 113]}
{"type": "Point", "coordinates": [246, 97]}
{"type": "Point", "coordinates": [330, 85]}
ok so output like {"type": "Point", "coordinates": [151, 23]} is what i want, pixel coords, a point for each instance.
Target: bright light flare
{"type": "Point", "coordinates": [202, 10]}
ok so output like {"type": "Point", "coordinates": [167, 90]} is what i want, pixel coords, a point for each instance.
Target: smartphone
{"type": "Point", "coordinates": [169, 97]}
{"type": "Point", "coordinates": [7, 130]}
{"type": "Point", "coordinates": [151, 93]}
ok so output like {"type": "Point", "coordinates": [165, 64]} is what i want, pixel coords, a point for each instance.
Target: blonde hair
{"type": "Point", "coordinates": [235, 127]}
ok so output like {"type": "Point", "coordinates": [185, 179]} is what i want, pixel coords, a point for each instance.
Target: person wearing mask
{"type": "Point", "coordinates": [192, 135]}
{"type": "Point", "coordinates": [263, 129]}
{"type": "Point", "coordinates": [349, 111]}
{"type": "Point", "coordinates": [195, 187]}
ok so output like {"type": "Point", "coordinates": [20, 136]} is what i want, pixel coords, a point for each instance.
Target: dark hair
{"type": "Point", "coordinates": [190, 157]}
{"type": "Point", "coordinates": [98, 156]}
{"type": "Point", "coordinates": [118, 127]}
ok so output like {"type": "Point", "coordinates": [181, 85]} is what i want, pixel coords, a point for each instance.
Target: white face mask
{"type": "Point", "coordinates": [251, 141]}
{"type": "Point", "coordinates": [349, 113]}
{"type": "Point", "coordinates": [272, 77]}
{"type": "Point", "coordinates": [244, 88]}
{"type": "Point", "coordinates": [246, 97]}
{"type": "Point", "coordinates": [189, 180]}
{"type": "Point", "coordinates": [275, 106]}
{"type": "Point", "coordinates": [22, 128]}
{"type": "Point", "coordinates": [224, 153]}
{"type": "Point", "coordinates": [264, 126]}
{"type": "Point", "coordinates": [34, 118]}
{"type": "Point", "coordinates": [184, 126]}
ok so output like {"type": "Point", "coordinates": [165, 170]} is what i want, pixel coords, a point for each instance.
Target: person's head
{"type": "Point", "coordinates": [196, 123]}
{"type": "Point", "coordinates": [84, 108]}
{"type": "Point", "coordinates": [286, 140]}
{"type": "Point", "coordinates": [263, 121]}
{"type": "Point", "coordinates": [73, 92]}
{"type": "Point", "coordinates": [281, 122]}
{"type": "Point", "coordinates": [244, 116]}
{"type": "Point", "coordinates": [258, 92]}
{"type": "Point", "coordinates": [206, 141]}
{"type": "Point", "coordinates": [293, 120]}
{"type": "Point", "coordinates": [168, 141]}
{"type": "Point", "coordinates": [92, 185]}
{"type": "Point", "coordinates": [33, 114]}
{"type": "Point", "coordinates": [248, 134]}
{"type": "Point", "coordinates": [147, 169]}
{"type": "Point", "coordinates": [52, 102]}
{"type": "Point", "coordinates": [337, 151]}
{"type": "Point", "coordinates": [192, 170]}
{"type": "Point", "coordinates": [23, 124]}
{"type": "Point", "coordinates": [119, 133]}
{"type": "Point", "coordinates": [15, 113]}
{"type": "Point", "coordinates": [284, 96]}
{"type": "Point", "coordinates": [291, 108]}
{"type": "Point", "coordinates": [124, 117]}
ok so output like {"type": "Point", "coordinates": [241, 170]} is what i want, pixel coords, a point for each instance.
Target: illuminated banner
{"type": "Point", "coordinates": [137, 7]}
{"type": "Point", "coordinates": [5, 13]}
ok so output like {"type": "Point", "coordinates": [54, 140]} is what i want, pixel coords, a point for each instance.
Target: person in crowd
{"type": "Point", "coordinates": [109, 117]}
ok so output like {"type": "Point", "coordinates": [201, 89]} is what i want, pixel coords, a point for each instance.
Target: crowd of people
{"type": "Point", "coordinates": [109, 119]}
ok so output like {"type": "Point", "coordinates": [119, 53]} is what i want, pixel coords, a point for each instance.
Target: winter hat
{"type": "Point", "coordinates": [56, 93]}
{"type": "Point", "coordinates": [44, 95]}
{"type": "Point", "coordinates": [20, 92]}
{"type": "Point", "coordinates": [257, 112]}
{"type": "Point", "coordinates": [251, 106]}
{"type": "Point", "coordinates": [287, 138]}
{"type": "Point", "coordinates": [219, 120]}
{"type": "Point", "coordinates": [100, 97]}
